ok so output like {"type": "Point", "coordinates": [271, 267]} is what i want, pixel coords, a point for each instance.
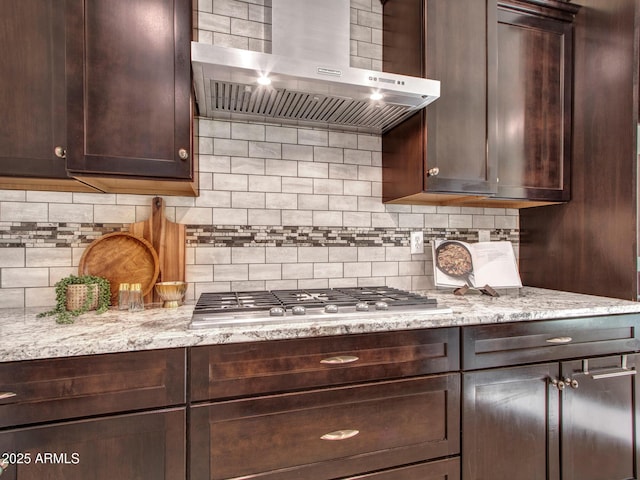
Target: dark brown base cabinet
{"type": "Point", "coordinates": [569, 420]}
{"type": "Point", "coordinates": [95, 417]}
{"type": "Point", "coordinates": [354, 406]}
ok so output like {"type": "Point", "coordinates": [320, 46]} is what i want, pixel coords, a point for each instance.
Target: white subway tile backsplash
{"type": "Point", "coordinates": [328, 154]}
{"type": "Point", "coordinates": [39, 297]}
{"type": "Point", "coordinates": [297, 270]}
{"type": "Point", "coordinates": [283, 168]}
{"type": "Point", "coordinates": [313, 170]}
{"type": "Point", "coordinates": [265, 217]}
{"type": "Point", "coordinates": [281, 134]}
{"type": "Point", "coordinates": [297, 152]}
{"type": "Point", "coordinates": [327, 219]}
{"type": "Point", "coordinates": [322, 186]}
{"type": "Point", "coordinates": [231, 8]}
{"type": "Point", "coordinates": [313, 202]}
{"type": "Point", "coordinates": [357, 187]}
{"type": "Point", "coordinates": [284, 201]}
{"type": "Point", "coordinates": [214, 164]}
{"type": "Point", "coordinates": [357, 157]}
{"type": "Point", "coordinates": [371, 254]}
{"type": "Point", "coordinates": [410, 220]}
{"type": "Point", "coordinates": [384, 269]}
{"type": "Point", "coordinates": [265, 272]}
{"type": "Point", "coordinates": [230, 273]}
{"type": "Point", "coordinates": [281, 254]}
{"type": "Point", "coordinates": [24, 212]}
{"type": "Point", "coordinates": [297, 185]}
{"type": "Point", "coordinates": [226, 146]}
{"type": "Point", "coordinates": [199, 273]}
{"type": "Point", "coordinates": [248, 255]}
{"type": "Point", "coordinates": [298, 218]}
{"type": "Point", "coordinates": [114, 213]}
{"type": "Point", "coordinates": [214, 23]}
{"type": "Point", "coordinates": [358, 269]}
{"type": "Point", "coordinates": [24, 277]}
{"type": "Point", "coordinates": [70, 212]}
{"type": "Point", "coordinates": [343, 140]}
{"type": "Point", "coordinates": [483, 221]}
{"type": "Point", "coordinates": [213, 198]}
{"type": "Point", "coordinates": [49, 197]}
{"type": "Point", "coordinates": [243, 165]}
{"type": "Point", "coordinates": [344, 172]}
{"type": "Point", "coordinates": [247, 200]}
{"type": "Point", "coordinates": [265, 183]}
{"type": "Point", "coordinates": [212, 255]}
{"type": "Point", "coordinates": [343, 254]}
{"type": "Point", "coordinates": [195, 215]}
{"type": "Point", "coordinates": [313, 137]}
{"type": "Point", "coordinates": [315, 283]}
{"type": "Point", "coordinates": [343, 202]}
{"type": "Point", "coordinates": [230, 181]}
{"type": "Point", "coordinates": [265, 149]}
{"type": "Point", "coordinates": [357, 219]}
{"type": "Point", "coordinates": [12, 257]}
{"type": "Point", "coordinates": [48, 257]}
{"type": "Point", "coordinates": [14, 298]}
{"type": "Point", "coordinates": [328, 270]}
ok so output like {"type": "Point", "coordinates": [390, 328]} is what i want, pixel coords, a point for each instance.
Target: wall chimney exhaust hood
{"type": "Point", "coordinates": [307, 80]}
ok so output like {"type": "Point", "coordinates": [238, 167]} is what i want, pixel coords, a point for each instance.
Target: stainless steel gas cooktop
{"type": "Point", "coordinates": [260, 307]}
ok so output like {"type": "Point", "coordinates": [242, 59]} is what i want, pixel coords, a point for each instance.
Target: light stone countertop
{"type": "Point", "coordinates": [23, 336]}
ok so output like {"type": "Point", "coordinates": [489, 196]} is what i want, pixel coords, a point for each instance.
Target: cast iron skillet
{"type": "Point", "coordinates": [463, 268]}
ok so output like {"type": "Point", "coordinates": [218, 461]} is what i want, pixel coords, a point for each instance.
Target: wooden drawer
{"type": "Point", "coordinates": [226, 371]}
{"type": "Point", "coordinates": [386, 424]}
{"type": "Point", "coordinates": [447, 469]}
{"type": "Point", "coordinates": [530, 342]}
{"type": "Point", "coordinates": [72, 387]}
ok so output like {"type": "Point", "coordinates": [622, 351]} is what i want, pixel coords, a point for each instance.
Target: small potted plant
{"type": "Point", "coordinates": [76, 295]}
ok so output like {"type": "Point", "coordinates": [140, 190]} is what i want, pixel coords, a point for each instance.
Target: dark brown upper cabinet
{"type": "Point", "coordinates": [440, 155]}
{"type": "Point", "coordinates": [33, 97]}
{"type": "Point", "coordinates": [535, 77]}
{"type": "Point", "coordinates": [103, 92]}
{"type": "Point", "coordinates": [500, 133]}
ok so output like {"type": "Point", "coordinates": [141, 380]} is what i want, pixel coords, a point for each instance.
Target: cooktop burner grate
{"type": "Point", "coordinates": [255, 301]}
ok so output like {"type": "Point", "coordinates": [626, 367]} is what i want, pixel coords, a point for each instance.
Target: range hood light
{"type": "Point", "coordinates": [375, 96]}
{"type": "Point", "coordinates": [264, 80]}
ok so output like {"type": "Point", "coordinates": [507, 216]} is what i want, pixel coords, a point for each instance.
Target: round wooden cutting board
{"type": "Point", "coordinates": [121, 257]}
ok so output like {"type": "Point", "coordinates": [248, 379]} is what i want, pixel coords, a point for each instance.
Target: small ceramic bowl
{"type": "Point", "coordinates": [171, 293]}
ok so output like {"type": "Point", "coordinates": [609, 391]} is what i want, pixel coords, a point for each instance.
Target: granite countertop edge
{"type": "Point", "coordinates": [24, 336]}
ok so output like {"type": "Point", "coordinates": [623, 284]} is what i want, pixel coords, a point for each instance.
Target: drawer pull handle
{"type": "Point", "coordinates": [618, 372]}
{"type": "Point", "coordinates": [559, 340]}
{"type": "Point", "coordinates": [5, 395]}
{"type": "Point", "coordinates": [340, 435]}
{"type": "Point", "coordinates": [340, 359]}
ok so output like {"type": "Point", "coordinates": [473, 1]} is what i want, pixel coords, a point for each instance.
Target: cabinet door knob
{"type": "Point", "coordinates": [60, 152]}
{"type": "Point", "coordinates": [340, 435]}
{"type": "Point", "coordinates": [572, 382]}
{"type": "Point", "coordinates": [433, 172]}
{"type": "Point", "coordinates": [559, 384]}
{"type": "Point", "coordinates": [183, 154]}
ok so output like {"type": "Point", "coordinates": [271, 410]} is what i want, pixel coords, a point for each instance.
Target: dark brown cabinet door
{"type": "Point", "coordinates": [443, 149]}
{"type": "Point", "coordinates": [511, 424]}
{"type": "Point", "coordinates": [600, 419]}
{"type": "Point", "coordinates": [140, 446]}
{"type": "Point", "coordinates": [534, 105]}
{"type": "Point", "coordinates": [32, 94]}
{"type": "Point", "coordinates": [128, 88]}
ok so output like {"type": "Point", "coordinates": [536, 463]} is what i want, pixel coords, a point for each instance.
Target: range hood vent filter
{"type": "Point", "coordinates": [234, 98]}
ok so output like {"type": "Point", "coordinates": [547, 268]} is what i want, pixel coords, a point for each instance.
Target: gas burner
{"type": "Point", "coordinates": [259, 307]}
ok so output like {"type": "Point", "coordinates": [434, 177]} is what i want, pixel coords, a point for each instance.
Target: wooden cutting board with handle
{"type": "Point", "coordinates": [169, 241]}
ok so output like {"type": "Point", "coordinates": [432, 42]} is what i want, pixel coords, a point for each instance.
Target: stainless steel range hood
{"type": "Point", "coordinates": [311, 82]}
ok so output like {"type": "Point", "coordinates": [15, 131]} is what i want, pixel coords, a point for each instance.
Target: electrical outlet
{"type": "Point", "coordinates": [417, 243]}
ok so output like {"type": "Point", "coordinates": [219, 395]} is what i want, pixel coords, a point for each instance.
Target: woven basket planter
{"type": "Point", "coordinates": [77, 296]}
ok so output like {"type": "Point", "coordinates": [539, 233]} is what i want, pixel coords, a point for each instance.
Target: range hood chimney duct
{"type": "Point", "coordinates": [307, 79]}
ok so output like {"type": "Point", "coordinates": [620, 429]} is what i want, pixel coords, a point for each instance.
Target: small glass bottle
{"type": "Point", "coordinates": [123, 296]}
{"type": "Point", "coordinates": [136, 302]}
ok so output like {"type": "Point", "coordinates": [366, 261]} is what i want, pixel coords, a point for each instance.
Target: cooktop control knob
{"type": "Point", "coordinates": [276, 312]}
{"type": "Point", "coordinates": [382, 306]}
{"type": "Point", "coordinates": [362, 307]}
{"type": "Point", "coordinates": [331, 308]}
{"type": "Point", "coordinates": [298, 310]}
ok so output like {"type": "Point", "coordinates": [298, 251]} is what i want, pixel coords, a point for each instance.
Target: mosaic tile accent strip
{"type": "Point", "coordinates": [31, 234]}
